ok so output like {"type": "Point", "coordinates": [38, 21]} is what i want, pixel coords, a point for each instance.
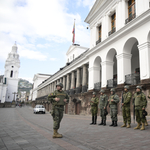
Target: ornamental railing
{"type": "Point", "coordinates": [98, 41]}
{"type": "Point", "coordinates": [112, 31]}
{"type": "Point", "coordinates": [130, 18]}
{"type": "Point", "coordinates": [72, 91]}
{"type": "Point", "coordinates": [68, 92]}
{"type": "Point", "coordinates": [132, 79]}
{"type": "Point", "coordinates": [84, 89]}
{"type": "Point", "coordinates": [97, 86]}
{"type": "Point", "coordinates": [111, 83]}
{"type": "Point", "coordinates": [78, 90]}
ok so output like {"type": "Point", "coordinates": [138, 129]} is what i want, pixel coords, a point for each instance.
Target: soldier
{"type": "Point", "coordinates": [58, 99]}
{"type": "Point", "coordinates": [126, 107]}
{"type": "Point", "coordinates": [140, 103]}
{"type": "Point", "coordinates": [113, 101]}
{"type": "Point", "coordinates": [103, 107]}
{"type": "Point", "coordinates": [94, 108]}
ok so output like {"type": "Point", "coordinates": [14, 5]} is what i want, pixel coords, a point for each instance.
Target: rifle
{"type": "Point", "coordinates": [134, 110]}
{"type": "Point", "coordinates": [122, 100]}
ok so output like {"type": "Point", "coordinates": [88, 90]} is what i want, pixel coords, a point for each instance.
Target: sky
{"type": "Point", "coordinates": [42, 30]}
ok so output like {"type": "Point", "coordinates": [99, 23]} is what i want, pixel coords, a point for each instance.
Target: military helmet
{"type": "Point", "coordinates": [112, 90]}
{"type": "Point", "coordinates": [94, 93]}
{"type": "Point", "coordinates": [126, 87]}
{"type": "Point", "coordinates": [59, 84]}
{"type": "Point", "coordinates": [139, 87]}
{"type": "Point", "coordinates": [102, 91]}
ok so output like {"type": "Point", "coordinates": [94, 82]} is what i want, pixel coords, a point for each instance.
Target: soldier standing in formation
{"type": "Point", "coordinates": [113, 101]}
{"type": "Point", "coordinates": [126, 107]}
{"type": "Point", "coordinates": [58, 99]}
{"type": "Point", "coordinates": [94, 108]}
{"type": "Point", "coordinates": [140, 103]}
{"type": "Point", "coordinates": [103, 107]}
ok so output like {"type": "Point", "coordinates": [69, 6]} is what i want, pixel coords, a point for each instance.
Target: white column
{"type": "Point", "coordinates": [123, 67]}
{"type": "Point", "coordinates": [107, 72]}
{"type": "Point", "coordinates": [94, 35]}
{"type": "Point", "coordinates": [67, 84]}
{"type": "Point", "coordinates": [84, 79]}
{"type": "Point", "coordinates": [64, 83]}
{"type": "Point", "coordinates": [78, 82]}
{"type": "Point", "coordinates": [144, 53]}
{"type": "Point", "coordinates": [72, 80]}
{"type": "Point", "coordinates": [94, 77]}
{"type": "Point", "coordinates": [141, 6]}
{"type": "Point", "coordinates": [105, 27]}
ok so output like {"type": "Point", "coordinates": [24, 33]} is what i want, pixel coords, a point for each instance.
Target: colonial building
{"type": "Point", "coordinates": [119, 54]}
{"type": "Point", "coordinates": [9, 82]}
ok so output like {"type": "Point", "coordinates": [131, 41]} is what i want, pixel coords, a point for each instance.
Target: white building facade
{"type": "Point", "coordinates": [119, 53]}
{"type": "Point", "coordinates": [9, 85]}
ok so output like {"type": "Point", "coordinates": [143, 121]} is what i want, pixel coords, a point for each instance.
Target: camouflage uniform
{"type": "Point", "coordinates": [139, 102]}
{"type": "Point", "coordinates": [58, 107]}
{"type": "Point", "coordinates": [113, 107]}
{"type": "Point", "coordinates": [94, 108]}
{"type": "Point", "coordinates": [103, 103]}
{"type": "Point", "coordinates": [126, 108]}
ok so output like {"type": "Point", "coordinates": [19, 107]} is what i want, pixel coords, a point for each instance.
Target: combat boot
{"type": "Point", "coordinates": [92, 120]}
{"type": "Point", "coordinates": [59, 135]}
{"type": "Point", "coordinates": [124, 125]}
{"type": "Point", "coordinates": [146, 123]}
{"type": "Point", "coordinates": [112, 124]}
{"type": "Point", "coordinates": [128, 126]}
{"type": "Point", "coordinates": [115, 124]}
{"type": "Point", "coordinates": [95, 119]}
{"type": "Point", "coordinates": [101, 122]}
{"type": "Point", "coordinates": [137, 127]}
{"type": "Point", "coordinates": [143, 126]}
{"type": "Point", "coordinates": [55, 133]}
{"type": "Point", "coordinates": [104, 124]}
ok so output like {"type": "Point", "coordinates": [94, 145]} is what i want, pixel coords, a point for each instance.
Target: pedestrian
{"type": "Point", "coordinates": [140, 103]}
{"type": "Point", "coordinates": [58, 99]}
{"type": "Point", "coordinates": [94, 108]}
{"type": "Point", "coordinates": [103, 101]}
{"type": "Point", "coordinates": [113, 101]}
{"type": "Point", "coordinates": [126, 99]}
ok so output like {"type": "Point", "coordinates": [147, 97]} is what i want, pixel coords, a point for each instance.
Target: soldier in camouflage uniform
{"type": "Point", "coordinates": [58, 99]}
{"type": "Point", "coordinates": [113, 101]}
{"type": "Point", "coordinates": [94, 108]}
{"type": "Point", "coordinates": [103, 107]}
{"type": "Point", "coordinates": [126, 107]}
{"type": "Point", "coordinates": [140, 103]}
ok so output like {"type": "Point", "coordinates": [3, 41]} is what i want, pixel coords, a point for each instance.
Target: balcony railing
{"type": "Point", "coordinates": [132, 79]}
{"type": "Point", "coordinates": [78, 90]}
{"type": "Point", "coordinates": [84, 89]}
{"type": "Point", "coordinates": [97, 86]}
{"type": "Point", "coordinates": [112, 31]}
{"type": "Point", "coordinates": [111, 83]}
{"type": "Point", "coordinates": [72, 91]}
{"type": "Point", "coordinates": [68, 92]}
{"type": "Point", "coordinates": [98, 41]}
{"type": "Point", "coordinates": [130, 18]}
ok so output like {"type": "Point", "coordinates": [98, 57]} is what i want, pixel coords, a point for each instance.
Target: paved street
{"type": "Point", "coordinates": [20, 129]}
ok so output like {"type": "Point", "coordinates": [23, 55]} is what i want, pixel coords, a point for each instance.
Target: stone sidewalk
{"type": "Point", "coordinates": [20, 129]}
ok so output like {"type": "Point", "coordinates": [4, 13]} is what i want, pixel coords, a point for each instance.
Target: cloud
{"type": "Point", "coordinates": [86, 3]}
{"type": "Point", "coordinates": [26, 21]}
{"type": "Point", "coordinates": [53, 59]}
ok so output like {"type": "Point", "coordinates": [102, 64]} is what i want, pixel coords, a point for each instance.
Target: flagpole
{"type": "Point", "coordinates": [73, 32]}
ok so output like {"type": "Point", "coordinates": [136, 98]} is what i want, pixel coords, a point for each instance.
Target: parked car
{"type": "Point", "coordinates": [39, 109]}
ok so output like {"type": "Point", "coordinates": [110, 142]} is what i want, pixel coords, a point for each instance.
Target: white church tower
{"type": "Point", "coordinates": [12, 66]}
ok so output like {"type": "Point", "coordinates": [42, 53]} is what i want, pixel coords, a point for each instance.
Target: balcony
{"type": "Point", "coordinates": [78, 90]}
{"type": "Point", "coordinates": [112, 31]}
{"type": "Point", "coordinates": [111, 83]}
{"type": "Point", "coordinates": [132, 79]}
{"type": "Point", "coordinates": [130, 18]}
{"type": "Point", "coordinates": [97, 86]}
{"type": "Point", "coordinates": [84, 89]}
{"type": "Point", "coordinates": [98, 41]}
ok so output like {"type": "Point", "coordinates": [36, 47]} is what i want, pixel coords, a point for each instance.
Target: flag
{"type": "Point", "coordinates": [73, 32]}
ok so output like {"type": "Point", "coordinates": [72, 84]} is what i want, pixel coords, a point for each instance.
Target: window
{"type": "Point", "coordinates": [113, 21]}
{"type": "Point", "coordinates": [12, 66]}
{"type": "Point", "coordinates": [11, 74]}
{"type": "Point", "coordinates": [131, 8]}
{"type": "Point", "coordinates": [99, 34]}
{"type": "Point", "coordinates": [100, 31]}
